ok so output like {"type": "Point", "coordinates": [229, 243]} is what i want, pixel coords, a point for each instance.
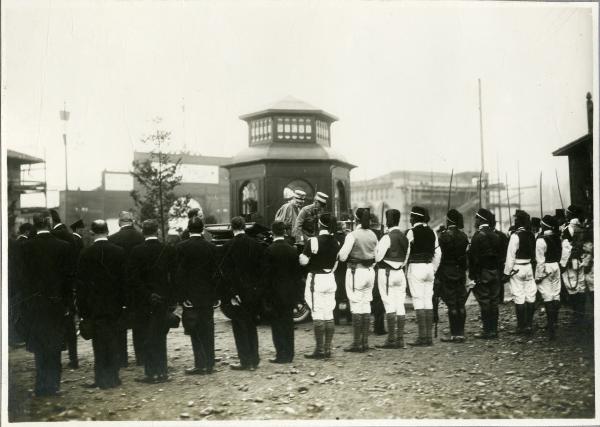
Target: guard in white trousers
{"type": "Point", "coordinates": [359, 251]}
{"type": "Point", "coordinates": [547, 270]}
{"type": "Point", "coordinates": [320, 258]}
{"type": "Point", "coordinates": [424, 256]}
{"type": "Point", "coordinates": [391, 257]}
{"type": "Point", "coordinates": [518, 270]}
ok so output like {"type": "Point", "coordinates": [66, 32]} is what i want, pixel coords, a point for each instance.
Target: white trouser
{"type": "Point", "coordinates": [323, 296]}
{"type": "Point", "coordinates": [394, 294]}
{"type": "Point", "coordinates": [420, 280]}
{"type": "Point", "coordinates": [522, 284]}
{"type": "Point", "coordinates": [574, 278]}
{"type": "Point", "coordinates": [361, 296]}
{"type": "Point", "coordinates": [549, 287]}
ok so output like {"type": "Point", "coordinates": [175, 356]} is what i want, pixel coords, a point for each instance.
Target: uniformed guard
{"type": "Point", "coordinates": [391, 258]}
{"type": "Point", "coordinates": [518, 269]}
{"type": "Point", "coordinates": [320, 258]}
{"type": "Point", "coordinates": [423, 261]}
{"type": "Point", "coordinates": [359, 251]}
{"type": "Point", "coordinates": [571, 261]}
{"type": "Point", "coordinates": [501, 257]}
{"type": "Point", "coordinates": [547, 270]}
{"type": "Point", "coordinates": [484, 253]}
{"type": "Point", "coordinates": [288, 212]}
{"type": "Point", "coordinates": [304, 228]}
{"type": "Point", "coordinates": [451, 275]}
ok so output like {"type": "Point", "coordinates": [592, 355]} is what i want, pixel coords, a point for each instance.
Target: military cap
{"type": "Point", "coordinates": [299, 194]}
{"type": "Point", "coordinates": [321, 197]}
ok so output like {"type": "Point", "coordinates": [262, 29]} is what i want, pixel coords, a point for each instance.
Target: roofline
{"type": "Point", "coordinates": [268, 111]}
{"type": "Point", "coordinates": [249, 162]}
{"type": "Point", "coordinates": [562, 151]}
{"type": "Point", "coordinates": [22, 157]}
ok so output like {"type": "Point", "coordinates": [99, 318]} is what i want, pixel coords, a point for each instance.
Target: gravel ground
{"type": "Point", "coordinates": [505, 378]}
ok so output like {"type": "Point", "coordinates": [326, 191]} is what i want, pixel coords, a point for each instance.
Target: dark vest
{"type": "Point", "coordinates": [398, 246]}
{"type": "Point", "coordinates": [326, 256]}
{"type": "Point", "coordinates": [526, 245]}
{"type": "Point", "coordinates": [453, 244]}
{"type": "Point", "coordinates": [422, 247]}
{"type": "Point", "coordinates": [553, 248]}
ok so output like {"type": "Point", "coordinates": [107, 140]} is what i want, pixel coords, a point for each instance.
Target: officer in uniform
{"type": "Point", "coordinates": [15, 285]}
{"type": "Point", "coordinates": [304, 228]}
{"type": "Point", "coordinates": [47, 296]}
{"type": "Point", "coordinates": [547, 271]}
{"type": "Point", "coordinates": [71, 336]}
{"type": "Point", "coordinates": [571, 261]}
{"type": "Point", "coordinates": [290, 210]}
{"type": "Point", "coordinates": [518, 269]}
{"type": "Point", "coordinates": [127, 238]}
{"type": "Point", "coordinates": [151, 270]}
{"type": "Point", "coordinates": [282, 276]}
{"type": "Point", "coordinates": [484, 253]}
{"type": "Point", "coordinates": [359, 251]}
{"type": "Point", "coordinates": [391, 258]}
{"type": "Point", "coordinates": [196, 284]}
{"type": "Point", "coordinates": [320, 258]}
{"type": "Point", "coordinates": [100, 299]}
{"type": "Point", "coordinates": [501, 257]}
{"type": "Point", "coordinates": [241, 290]}
{"type": "Point", "coordinates": [451, 275]}
{"type": "Point", "coordinates": [423, 261]}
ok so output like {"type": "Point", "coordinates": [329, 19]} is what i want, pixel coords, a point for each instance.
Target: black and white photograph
{"type": "Point", "coordinates": [300, 212]}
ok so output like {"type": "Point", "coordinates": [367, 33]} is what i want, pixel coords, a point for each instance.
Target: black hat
{"type": "Point", "coordinates": [559, 213]}
{"type": "Point", "coordinates": [522, 219]}
{"type": "Point", "coordinates": [454, 217]}
{"type": "Point", "coordinates": [77, 224]}
{"type": "Point", "coordinates": [324, 220]}
{"type": "Point", "coordinates": [193, 213]}
{"type": "Point", "coordinates": [485, 215]}
{"type": "Point", "coordinates": [55, 216]}
{"type": "Point", "coordinates": [536, 222]}
{"type": "Point", "coordinates": [25, 228]}
{"type": "Point", "coordinates": [392, 217]}
{"type": "Point", "coordinates": [420, 213]}
{"type": "Point", "coordinates": [575, 211]}
{"type": "Point", "coordinates": [548, 221]}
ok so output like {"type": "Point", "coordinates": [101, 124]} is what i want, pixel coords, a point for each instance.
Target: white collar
{"type": "Point", "coordinates": [422, 224]}
{"type": "Point", "coordinates": [100, 239]}
{"type": "Point", "coordinates": [151, 238]}
{"type": "Point", "coordinates": [130, 224]}
{"type": "Point", "coordinates": [548, 233]}
{"type": "Point", "coordinates": [42, 232]}
{"type": "Point", "coordinates": [321, 232]}
{"type": "Point", "coordinates": [483, 225]}
{"type": "Point", "coordinates": [77, 234]}
{"type": "Point", "coordinates": [57, 225]}
{"type": "Point", "coordinates": [23, 236]}
{"type": "Point", "coordinates": [196, 235]}
{"type": "Point", "coordinates": [277, 238]}
{"type": "Point", "coordinates": [236, 232]}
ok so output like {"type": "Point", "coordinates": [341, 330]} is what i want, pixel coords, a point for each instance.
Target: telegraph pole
{"type": "Point", "coordinates": [64, 116]}
{"type": "Point", "coordinates": [481, 142]}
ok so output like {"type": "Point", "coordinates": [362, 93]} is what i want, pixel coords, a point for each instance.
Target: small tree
{"type": "Point", "coordinates": [159, 176]}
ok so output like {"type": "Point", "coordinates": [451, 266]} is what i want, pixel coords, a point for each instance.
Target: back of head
{"type": "Point", "coordinates": [125, 218]}
{"type": "Point", "coordinates": [195, 225]}
{"type": "Point", "coordinates": [419, 214]}
{"type": "Point", "coordinates": [55, 217]}
{"type": "Point", "coordinates": [278, 228]}
{"type": "Point", "coordinates": [392, 218]}
{"type": "Point", "coordinates": [149, 227]}
{"type": "Point", "coordinates": [193, 213]}
{"type": "Point", "coordinates": [454, 218]}
{"type": "Point", "coordinates": [42, 220]}
{"type": "Point", "coordinates": [549, 222]}
{"type": "Point", "coordinates": [574, 211]}
{"type": "Point", "coordinates": [99, 226]}
{"type": "Point", "coordinates": [365, 219]}
{"type": "Point", "coordinates": [25, 228]}
{"type": "Point", "coordinates": [238, 223]}
{"type": "Point", "coordinates": [483, 216]}
{"type": "Point", "coordinates": [522, 219]}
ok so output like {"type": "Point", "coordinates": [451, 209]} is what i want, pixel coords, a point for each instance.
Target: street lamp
{"type": "Point", "coordinates": [64, 116]}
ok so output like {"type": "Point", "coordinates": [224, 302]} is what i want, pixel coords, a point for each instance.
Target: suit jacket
{"type": "Point", "coordinates": [47, 291]}
{"type": "Point", "coordinates": [282, 274]}
{"type": "Point", "coordinates": [241, 268]}
{"type": "Point", "coordinates": [127, 238]}
{"type": "Point", "coordinates": [151, 271]}
{"type": "Point", "coordinates": [196, 271]}
{"type": "Point", "coordinates": [100, 291]}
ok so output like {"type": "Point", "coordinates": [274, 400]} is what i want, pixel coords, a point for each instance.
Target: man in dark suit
{"type": "Point", "coordinates": [241, 290]}
{"type": "Point", "coordinates": [196, 292]}
{"type": "Point", "coordinates": [15, 285]}
{"type": "Point", "coordinates": [281, 273]}
{"type": "Point", "coordinates": [127, 238]}
{"type": "Point", "coordinates": [151, 267]}
{"type": "Point", "coordinates": [100, 298]}
{"type": "Point", "coordinates": [47, 293]}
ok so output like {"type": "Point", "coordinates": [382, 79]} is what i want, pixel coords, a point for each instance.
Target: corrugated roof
{"type": "Point", "coordinates": [22, 158]}
{"type": "Point", "coordinates": [287, 105]}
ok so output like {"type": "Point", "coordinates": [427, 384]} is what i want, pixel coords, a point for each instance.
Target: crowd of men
{"type": "Point", "coordinates": [133, 280]}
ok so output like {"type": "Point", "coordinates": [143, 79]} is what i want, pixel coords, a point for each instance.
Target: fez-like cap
{"type": "Point", "coordinates": [420, 213]}
{"type": "Point", "coordinates": [55, 216]}
{"type": "Point", "coordinates": [392, 217]}
{"type": "Point", "coordinates": [125, 216]}
{"type": "Point", "coordinates": [454, 217]}
{"type": "Point", "coordinates": [321, 197]}
{"type": "Point", "coordinates": [536, 222]}
{"type": "Point", "coordinates": [548, 221]}
{"type": "Point", "coordinates": [77, 224]}
{"type": "Point", "coordinates": [299, 194]}
{"type": "Point", "coordinates": [485, 215]}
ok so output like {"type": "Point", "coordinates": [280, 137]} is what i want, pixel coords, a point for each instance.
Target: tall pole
{"type": "Point", "coordinates": [508, 201]}
{"type": "Point", "coordinates": [481, 138]}
{"type": "Point", "coordinates": [499, 193]}
{"type": "Point", "coordinates": [64, 116]}
{"type": "Point", "coordinates": [450, 188]}
{"type": "Point", "coordinates": [541, 202]}
{"type": "Point", "coordinates": [558, 185]}
{"type": "Point", "coordinates": [519, 184]}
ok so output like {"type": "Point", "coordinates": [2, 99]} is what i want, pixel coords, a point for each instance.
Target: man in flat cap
{"type": "Point", "coordinates": [100, 300]}
{"type": "Point", "coordinates": [391, 258]}
{"type": "Point", "coordinates": [289, 211]}
{"type": "Point", "coordinates": [304, 228]}
{"type": "Point", "coordinates": [127, 238]}
{"type": "Point", "coordinates": [484, 254]}
{"type": "Point", "coordinates": [451, 275]}
{"type": "Point", "coordinates": [548, 249]}
{"type": "Point", "coordinates": [518, 270]}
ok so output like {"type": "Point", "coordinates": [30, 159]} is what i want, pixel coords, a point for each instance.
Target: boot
{"type": "Point", "coordinates": [494, 317]}
{"type": "Point", "coordinates": [366, 323]}
{"type": "Point", "coordinates": [485, 320]}
{"type": "Point", "coordinates": [356, 334]}
{"type": "Point", "coordinates": [400, 321]}
{"type": "Point", "coordinates": [550, 316]}
{"type": "Point", "coordinates": [520, 310]}
{"type": "Point", "coordinates": [390, 342]}
{"type": "Point", "coordinates": [529, 312]}
{"type": "Point", "coordinates": [452, 320]}
{"type": "Point", "coordinates": [420, 341]}
{"type": "Point", "coordinates": [461, 318]}
{"type": "Point", "coordinates": [319, 326]}
{"type": "Point", "coordinates": [329, 330]}
{"type": "Point", "coordinates": [428, 326]}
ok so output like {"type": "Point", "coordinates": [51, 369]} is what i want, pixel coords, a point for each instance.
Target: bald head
{"type": "Point", "coordinates": [99, 228]}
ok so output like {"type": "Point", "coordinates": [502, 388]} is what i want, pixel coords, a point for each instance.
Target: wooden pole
{"type": "Point", "coordinates": [479, 189]}
{"type": "Point", "coordinates": [558, 185]}
{"type": "Point", "coordinates": [499, 193]}
{"type": "Point", "coordinates": [508, 201]}
{"type": "Point", "coordinates": [450, 188]}
{"type": "Point", "coordinates": [519, 184]}
{"type": "Point", "coordinates": [541, 201]}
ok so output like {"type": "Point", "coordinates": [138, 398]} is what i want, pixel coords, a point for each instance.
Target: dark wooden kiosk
{"type": "Point", "coordinates": [289, 148]}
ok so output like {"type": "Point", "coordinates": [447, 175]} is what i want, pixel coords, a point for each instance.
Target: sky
{"type": "Point", "coordinates": [402, 77]}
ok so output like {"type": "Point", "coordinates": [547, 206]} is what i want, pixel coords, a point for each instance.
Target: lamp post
{"type": "Point", "coordinates": [64, 116]}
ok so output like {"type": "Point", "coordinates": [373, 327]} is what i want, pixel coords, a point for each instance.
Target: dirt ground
{"type": "Point", "coordinates": [505, 378]}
